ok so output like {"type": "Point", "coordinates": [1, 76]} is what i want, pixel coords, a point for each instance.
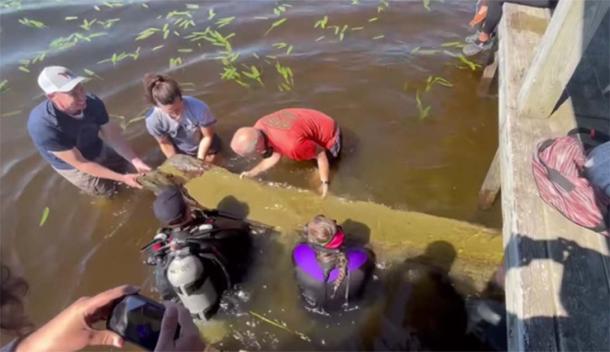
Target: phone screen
{"type": "Point", "coordinates": [138, 320]}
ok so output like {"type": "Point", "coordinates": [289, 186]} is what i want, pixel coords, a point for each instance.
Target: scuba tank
{"type": "Point", "coordinates": [193, 264]}
{"type": "Point", "coordinates": [192, 283]}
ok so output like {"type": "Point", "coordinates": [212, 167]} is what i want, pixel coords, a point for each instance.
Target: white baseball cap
{"type": "Point", "coordinates": [54, 79]}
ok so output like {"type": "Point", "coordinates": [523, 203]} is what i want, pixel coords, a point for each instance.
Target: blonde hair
{"type": "Point", "coordinates": [319, 231]}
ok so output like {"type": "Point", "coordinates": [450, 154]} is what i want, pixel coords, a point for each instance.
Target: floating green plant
{"type": "Point", "coordinates": [211, 13]}
{"type": "Point", "coordinates": [71, 18]}
{"type": "Point", "coordinates": [280, 9]}
{"type": "Point", "coordinates": [280, 326]}
{"type": "Point", "coordinates": [320, 38]}
{"type": "Point", "coordinates": [254, 74]}
{"type": "Point", "coordinates": [455, 44]}
{"type": "Point", "coordinates": [3, 86]}
{"type": "Point", "coordinates": [90, 73]}
{"type": "Point", "coordinates": [192, 6]}
{"type": "Point", "coordinates": [355, 2]}
{"type": "Point", "coordinates": [377, 37]}
{"type": "Point", "coordinates": [87, 24]}
{"type": "Point", "coordinates": [116, 58]}
{"type": "Point", "coordinates": [321, 23]}
{"type": "Point", "coordinates": [24, 69]}
{"type": "Point", "coordinates": [185, 50]}
{"type": "Point", "coordinates": [145, 5]}
{"type": "Point", "coordinates": [147, 33]}
{"type": "Point", "coordinates": [342, 32]}
{"type": "Point", "coordinates": [44, 217]}
{"type": "Point", "coordinates": [432, 80]}
{"type": "Point", "coordinates": [424, 111]}
{"type": "Point", "coordinates": [158, 47]}
{"type": "Point", "coordinates": [373, 19]}
{"type": "Point", "coordinates": [175, 61]}
{"type": "Point", "coordinates": [108, 23]}
{"type": "Point", "coordinates": [113, 4]}
{"type": "Point", "coordinates": [32, 23]}
{"type": "Point", "coordinates": [472, 65]}
{"type": "Point", "coordinates": [353, 29]}
{"type": "Point", "coordinates": [224, 21]}
{"type": "Point", "coordinates": [287, 75]}
{"type": "Point", "coordinates": [426, 4]}
{"type": "Point", "coordinates": [10, 4]}
{"type": "Point", "coordinates": [275, 25]}
{"type": "Point", "coordinates": [383, 5]}
{"type": "Point", "coordinates": [12, 113]}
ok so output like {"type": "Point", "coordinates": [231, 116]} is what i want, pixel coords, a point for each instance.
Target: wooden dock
{"type": "Point", "coordinates": [557, 273]}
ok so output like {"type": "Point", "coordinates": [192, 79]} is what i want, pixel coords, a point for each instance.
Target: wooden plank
{"type": "Point", "coordinates": [491, 184]}
{"type": "Point", "coordinates": [573, 25]}
{"type": "Point", "coordinates": [557, 273]}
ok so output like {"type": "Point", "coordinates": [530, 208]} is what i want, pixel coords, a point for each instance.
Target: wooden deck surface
{"type": "Point", "coordinates": [558, 274]}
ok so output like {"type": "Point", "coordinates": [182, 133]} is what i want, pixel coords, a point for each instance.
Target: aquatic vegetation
{"type": "Point", "coordinates": [192, 6]}
{"type": "Point", "coordinates": [181, 19]}
{"type": "Point", "coordinates": [32, 23]}
{"type": "Point", "coordinates": [320, 38]}
{"type": "Point", "coordinates": [44, 217]}
{"type": "Point", "coordinates": [71, 18]}
{"type": "Point", "coordinates": [424, 111]}
{"type": "Point", "coordinates": [468, 63]}
{"type": "Point", "coordinates": [3, 86]}
{"type": "Point", "coordinates": [113, 4]}
{"type": "Point", "coordinates": [12, 113]}
{"type": "Point", "coordinates": [373, 19]}
{"type": "Point", "coordinates": [455, 44]}
{"type": "Point", "coordinates": [157, 47]}
{"type": "Point", "coordinates": [24, 69]}
{"type": "Point", "coordinates": [254, 74]}
{"type": "Point", "coordinates": [108, 23]}
{"type": "Point", "coordinates": [175, 61]}
{"type": "Point", "coordinates": [383, 5]}
{"type": "Point", "coordinates": [10, 4]}
{"type": "Point", "coordinates": [287, 75]}
{"type": "Point", "coordinates": [432, 80]}
{"type": "Point", "coordinates": [321, 23]}
{"type": "Point", "coordinates": [280, 325]}
{"type": "Point", "coordinates": [224, 21]}
{"type": "Point", "coordinates": [276, 24]}
{"type": "Point", "coordinates": [280, 9]}
{"type": "Point", "coordinates": [116, 58]}
{"type": "Point", "coordinates": [211, 13]}
{"type": "Point", "coordinates": [90, 73]}
{"type": "Point", "coordinates": [147, 33]}
{"type": "Point", "coordinates": [426, 4]}
{"type": "Point", "coordinates": [377, 37]}
{"type": "Point", "coordinates": [63, 43]}
{"type": "Point", "coordinates": [87, 24]}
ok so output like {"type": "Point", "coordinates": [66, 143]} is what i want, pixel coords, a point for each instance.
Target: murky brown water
{"type": "Point", "coordinates": [432, 165]}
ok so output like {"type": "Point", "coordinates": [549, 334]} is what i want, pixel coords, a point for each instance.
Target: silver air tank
{"type": "Point", "coordinates": [191, 283]}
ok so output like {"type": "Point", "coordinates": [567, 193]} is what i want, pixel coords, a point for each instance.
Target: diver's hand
{"type": "Point", "coordinates": [189, 338]}
{"type": "Point", "coordinates": [71, 330]}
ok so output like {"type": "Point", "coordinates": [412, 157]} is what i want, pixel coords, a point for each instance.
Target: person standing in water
{"type": "Point", "coordinates": [298, 134]}
{"type": "Point", "coordinates": [66, 129]}
{"type": "Point", "coordinates": [329, 273]}
{"type": "Point", "coordinates": [180, 124]}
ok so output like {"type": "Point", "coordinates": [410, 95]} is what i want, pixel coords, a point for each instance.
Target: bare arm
{"type": "Point", "coordinates": [78, 161]}
{"type": "Point", "coordinates": [111, 134]}
{"type": "Point", "coordinates": [166, 146]}
{"type": "Point", "coordinates": [263, 166]}
{"type": "Point", "coordinates": [323, 169]}
{"type": "Point", "coordinates": [206, 142]}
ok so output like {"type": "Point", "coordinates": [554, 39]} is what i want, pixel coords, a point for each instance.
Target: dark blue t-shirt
{"type": "Point", "coordinates": [54, 131]}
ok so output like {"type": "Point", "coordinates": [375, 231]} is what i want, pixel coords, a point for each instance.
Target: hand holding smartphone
{"type": "Point", "coordinates": [154, 326]}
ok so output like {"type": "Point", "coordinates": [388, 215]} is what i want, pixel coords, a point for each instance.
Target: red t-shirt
{"type": "Point", "coordinates": [295, 133]}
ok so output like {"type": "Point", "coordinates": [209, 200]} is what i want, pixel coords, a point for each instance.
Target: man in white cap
{"type": "Point", "coordinates": [66, 129]}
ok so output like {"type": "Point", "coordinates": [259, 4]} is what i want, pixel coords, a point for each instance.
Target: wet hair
{"type": "Point", "coordinates": [160, 89]}
{"type": "Point", "coordinates": [319, 231]}
{"type": "Point", "coordinates": [12, 312]}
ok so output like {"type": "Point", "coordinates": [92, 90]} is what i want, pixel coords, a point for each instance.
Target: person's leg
{"type": "Point", "coordinates": [494, 11]}
{"type": "Point", "coordinates": [91, 185]}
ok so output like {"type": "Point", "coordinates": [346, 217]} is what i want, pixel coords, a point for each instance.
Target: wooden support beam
{"type": "Point", "coordinates": [491, 184]}
{"type": "Point", "coordinates": [572, 26]}
{"type": "Point", "coordinates": [483, 90]}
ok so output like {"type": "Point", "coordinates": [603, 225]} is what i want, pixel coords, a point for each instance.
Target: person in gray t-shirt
{"type": "Point", "coordinates": [180, 124]}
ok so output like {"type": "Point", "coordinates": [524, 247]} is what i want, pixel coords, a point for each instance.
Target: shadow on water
{"type": "Point", "coordinates": [583, 295]}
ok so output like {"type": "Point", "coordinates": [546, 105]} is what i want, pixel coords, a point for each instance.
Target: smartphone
{"type": "Point", "coordinates": [138, 320]}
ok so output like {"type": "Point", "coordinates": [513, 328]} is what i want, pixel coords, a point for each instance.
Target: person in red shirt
{"type": "Point", "coordinates": [298, 134]}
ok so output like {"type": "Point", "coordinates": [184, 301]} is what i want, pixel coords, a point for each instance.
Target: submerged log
{"type": "Point", "coordinates": [393, 234]}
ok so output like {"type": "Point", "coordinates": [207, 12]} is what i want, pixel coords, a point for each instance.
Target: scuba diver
{"type": "Point", "coordinates": [197, 253]}
{"type": "Point", "coordinates": [329, 273]}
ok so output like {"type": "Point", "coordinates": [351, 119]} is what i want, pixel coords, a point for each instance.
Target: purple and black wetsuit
{"type": "Point", "coordinates": [316, 282]}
